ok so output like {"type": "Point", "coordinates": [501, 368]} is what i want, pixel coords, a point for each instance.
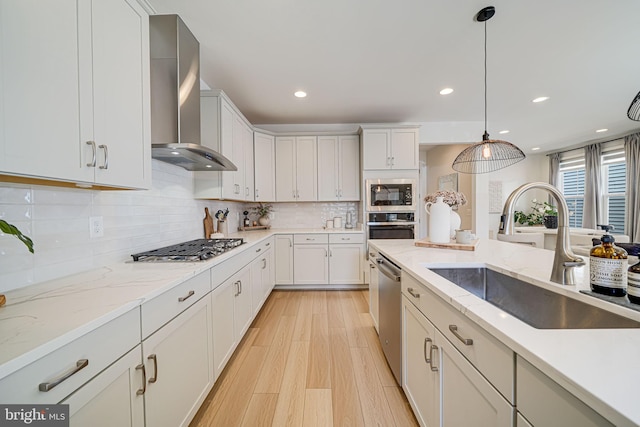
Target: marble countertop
{"type": "Point", "coordinates": [41, 318]}
{"type": "Point", "coordinates": [596, 365]}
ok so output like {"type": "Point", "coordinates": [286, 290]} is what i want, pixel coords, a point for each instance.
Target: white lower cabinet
{"type": "Point", "coordinates": [178, 360]}
{"type": "Point", "coordinates": [232, 315]}
{"type": "Point", "coordinates": [283, 259]}
{"type": "Point", "coordinates": [421, 384]}
{"type": "Point", "coordinates": [374, 304]}
{"type": "Point", "coordinates": [344, 264]}
{"type": "Point", "coordinates": [261, 283]}
{"type": "Point", "coordinates": [467, 397]}
{"type": "Point", "coordinates": [545, 403]}
{"type": "Point", "coordinates": [114, 398]}
{"type": "Point", "coordinates": [442, 386]}
{"type": "Point", "coordinates": [311, 265]}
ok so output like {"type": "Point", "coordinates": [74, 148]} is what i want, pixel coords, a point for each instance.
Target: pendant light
{"type": "Point", "coordinates": [490, 154]}
{"type": "Point", "coordinates": [634, 109]}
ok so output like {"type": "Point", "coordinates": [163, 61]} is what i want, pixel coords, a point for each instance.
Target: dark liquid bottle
{"type": "Point", "coordinates": [608, 268]}
{"type": "Point", "coordinates": [633, 288]}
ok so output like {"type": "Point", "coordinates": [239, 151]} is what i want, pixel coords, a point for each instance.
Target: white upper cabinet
{"type": "Point", "coordinates": [265, 167]}
{"type": "Point", "coordinates": [226, 130]}
{"type": "Point", "coordinates": [296, 169]}
{"type": "Point", "coordinates": [338, 168]}
{"type": "Point", "coordinates": [395, 148]}
{"type": "Point", "coordinates": [74, 93]}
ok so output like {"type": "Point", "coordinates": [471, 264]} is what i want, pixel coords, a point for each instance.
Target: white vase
{"type": "Point", "coordinates": [455, 223]}
{"type": "Point", "coordinates": [264, 220]}
{"type": "Point", "coordinates": [439, 221]}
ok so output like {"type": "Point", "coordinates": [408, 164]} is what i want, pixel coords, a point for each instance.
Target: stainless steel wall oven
{"type": "Point", "coordinates": [387, 225]}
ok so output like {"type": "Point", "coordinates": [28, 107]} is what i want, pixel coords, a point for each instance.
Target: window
{"type": "Point", "coordinates": [572, 183]}
{"type": "Point", "coordinates": [572, 187]}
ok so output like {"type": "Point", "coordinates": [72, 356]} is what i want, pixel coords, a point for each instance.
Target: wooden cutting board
{"type": "Point", "coordinates": [425, 243]}
{"type": "Point", "coordinates": [208, 224]}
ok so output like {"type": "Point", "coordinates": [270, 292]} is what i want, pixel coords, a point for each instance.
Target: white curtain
{"type": "Point", "coordinates": [592, 212]}
{"type": "Point", "coordinates": [632, 158]}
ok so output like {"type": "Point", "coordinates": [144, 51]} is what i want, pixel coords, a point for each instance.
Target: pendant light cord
{"type": "Point", "coordinates": [485, 81]}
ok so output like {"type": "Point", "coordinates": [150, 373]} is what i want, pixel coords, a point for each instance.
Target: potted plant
{"type": "Point", "coordinates": [541, 213]}
{"type": "Point", "coordinates": [263, 211]}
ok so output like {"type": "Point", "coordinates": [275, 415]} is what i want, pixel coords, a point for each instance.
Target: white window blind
{"type": "Point", "coordinates": [572, 187]}
{"type": "Point", "coordinates": [614, 183]}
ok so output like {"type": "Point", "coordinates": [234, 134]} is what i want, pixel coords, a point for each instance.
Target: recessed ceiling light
{"type": "Point", "coordinates": [175, 153]}
{"type": "Point", "coordinates": [540, 99]}
{"type": "Point", "coordinates": [535, 148]}
{"type": "Point", "coordinates": [300, 94]}
{"type": "Point", "coordinates": [209, 166]}
{"type": "Point", "coordinates": [446, 91]}
{"type": "Point", "coordinates": [502, 132]}
{"type": "Point", "coordinates": [602, 130]}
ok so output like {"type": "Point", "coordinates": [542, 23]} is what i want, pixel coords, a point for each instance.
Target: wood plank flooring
{"type": "Point", "coordinates": [311, 358]}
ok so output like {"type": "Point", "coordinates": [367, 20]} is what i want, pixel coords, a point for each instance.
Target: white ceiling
{"type": "Point", "coordinates": [384, 61]}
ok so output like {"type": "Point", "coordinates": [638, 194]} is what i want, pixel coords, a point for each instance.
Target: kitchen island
{"type": "Point", "coordinates": [594, 365]}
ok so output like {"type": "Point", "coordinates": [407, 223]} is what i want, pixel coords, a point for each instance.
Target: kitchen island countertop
{"type": "Point", "coordinates": [596, 365]}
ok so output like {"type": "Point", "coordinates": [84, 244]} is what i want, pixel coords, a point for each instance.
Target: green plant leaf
{"type": "Point", "coordinates": [13, 230]}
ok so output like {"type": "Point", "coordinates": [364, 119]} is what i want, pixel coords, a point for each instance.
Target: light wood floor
{"type": "Point", "coordinates": [311, 358]}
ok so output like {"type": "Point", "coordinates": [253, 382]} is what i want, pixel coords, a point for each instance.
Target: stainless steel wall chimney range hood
{"type": "Point", "coordinates": [175, 98]}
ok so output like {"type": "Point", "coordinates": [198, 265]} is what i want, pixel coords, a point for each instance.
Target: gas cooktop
{"type": "Point", "coordinates": [194, 250]}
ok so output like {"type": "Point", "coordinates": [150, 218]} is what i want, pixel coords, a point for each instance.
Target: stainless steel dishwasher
{"type": "Point", "coordinates": [390, 314]}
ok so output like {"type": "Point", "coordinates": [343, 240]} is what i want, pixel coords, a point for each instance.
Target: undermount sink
{"type": "Point", "coordinates": [533, 305]}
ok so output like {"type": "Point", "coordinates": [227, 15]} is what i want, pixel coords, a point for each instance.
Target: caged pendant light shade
{"type": "Point", "coordinates": [634, 109]}
{"type": "Point", "coordinates": [490, 154]}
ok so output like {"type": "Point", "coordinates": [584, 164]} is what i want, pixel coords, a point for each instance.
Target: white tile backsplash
{"type": "Point", "coordinates": [57, 219]}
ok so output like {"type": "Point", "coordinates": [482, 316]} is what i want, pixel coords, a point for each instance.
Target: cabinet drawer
{"type": "Point", "coordinates": [261, 248]}
{"type": "Point", "coordinates": [99, 348]}
{"type": "Point", "coordinates": [307, 239]}
{"type": "Point", "coordinates": [168, 305]}
{"type": "Point", "coordinates": [491, 357]}
{"type": "Point", "coordinates": [346, 238]}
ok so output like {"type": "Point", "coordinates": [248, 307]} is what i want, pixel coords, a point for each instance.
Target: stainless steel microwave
{"type": "Point", "coordinates": [392, 194]}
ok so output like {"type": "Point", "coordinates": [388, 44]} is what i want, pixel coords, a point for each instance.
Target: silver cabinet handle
{"type": "Point", "coordinates": [290, 243]}
{"type": "Point", "coordinates": [330, 253]}
{"type": "Point", "coordinates": [297, 194]}
{"type": "Point", "coordinates": [154, 378]}
{"type": "Point", "coordinates": [92, 163]}
{"type": "Point", "coordinates": [413, 294]}
{"type": "Point", "coordinates": [255, 192]}
{"type": "Point", "coordinates": [326, 253]}
{"type": "Point", "coordinates": [258, 250]}
{"type": "Point", "coordinates": [433, 368]}
{"type": "Point", "coordinates": [267, 244]}
{"type": "Point", "coordinates": [80, 365]}
{"type": "Point", "coordinates": [293, 193]}
{"type": "Point", "coordinates": [310, 239]}
{"type": "Point", "coordinates": [340, 192]}
{"type": "Point", "coordinates": [142, 390]}
{"type": "Point", "coordinates": [346, 238]}
{"type": "Point", "coordinates": [105, 166]}
{"type": "Point", "coordinates": [372, 266]}
{"type": "Point", "coordinates": [465, 341]}
{"type": "Point", "coordinates": [264, 263]}
{"type": "Point", "coordinates": [237, 285]}
{"type": "Point", "coordinates": [427, 359]}
{"type": "Point", "coordinates": [189, 295]}
{"type": "Point", "coordinates": [393, 161]}
{"type": "Point", "coordinates": [240, 281]}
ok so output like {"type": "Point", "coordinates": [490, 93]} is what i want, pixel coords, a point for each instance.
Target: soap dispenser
{"type": "Point", "coordinates": [608, 266]}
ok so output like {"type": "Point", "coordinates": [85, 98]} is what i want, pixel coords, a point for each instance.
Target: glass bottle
{"type": "Point", "coordinates": [633, 288]}
{"type": "Point", "coordinates": [608, 268]}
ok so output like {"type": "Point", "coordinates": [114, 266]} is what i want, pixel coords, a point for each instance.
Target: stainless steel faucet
{"type": "Point", "coordinates": [565, 259]}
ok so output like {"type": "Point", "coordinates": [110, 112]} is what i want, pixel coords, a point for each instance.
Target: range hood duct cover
{"type": "Point", "coordinates": [175, 98]}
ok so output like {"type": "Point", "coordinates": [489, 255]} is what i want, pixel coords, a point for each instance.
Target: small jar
{"type": "Point", "coordinates": [633, 283]}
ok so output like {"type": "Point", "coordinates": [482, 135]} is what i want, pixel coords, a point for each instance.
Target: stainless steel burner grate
{"type": "Point", "coordinates": [194, 250]}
